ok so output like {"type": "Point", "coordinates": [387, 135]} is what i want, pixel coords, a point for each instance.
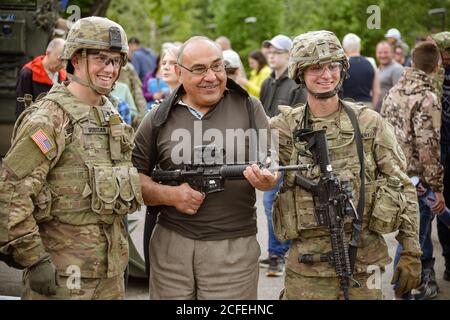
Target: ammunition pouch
{"type": "Point", "coordinates": [285, 220]}
{"type": "Point", "coordinates": [43, 205]}
{"type": "Point", "coordinates": [389, 204]}
{"type": "Point", "coordinates": [115, 190]}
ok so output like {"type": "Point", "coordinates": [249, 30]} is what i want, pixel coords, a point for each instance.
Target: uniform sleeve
{"type": "Point", "coordinates": [138, 96]}
{"type": "Point", "coordinates": [387, 106]}
{"type": "Point", "coordinates": [283, 136]}
{"type": "Point", "coordinates": [130, 102]}
{"type": "Point", "coordinates": [143, 140]}
{"type": "Point", "coordinates": [392, 162]}
{"type": "Point", "coordinates": [36, 147]}
{"type": "Point", "coordinates": [427, 125]}
{"type": "Point", "coordinates": [397, 74]}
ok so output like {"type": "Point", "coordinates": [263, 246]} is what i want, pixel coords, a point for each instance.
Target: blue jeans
{"type": "Point", "coordinates": [275, 247]}
{"type": "Point", "coordinates": [426, 245]}
{"type": "Point", "coordinates": [443, 231]}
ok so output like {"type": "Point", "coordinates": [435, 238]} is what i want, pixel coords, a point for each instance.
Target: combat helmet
{"type": "Point", "coordinates": [96, 33]}
{"type": "Point", "coordinates": [442, 40]}
{"type": "Point", "coordinates": [316, 47]}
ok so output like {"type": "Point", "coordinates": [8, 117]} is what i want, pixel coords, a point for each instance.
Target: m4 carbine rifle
{"type": "Point", "coordinates": [209, 178]}
{"type": "Point", "coordinates": [334, 203]}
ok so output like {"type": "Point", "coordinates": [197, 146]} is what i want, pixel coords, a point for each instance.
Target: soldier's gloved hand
{"type": "Point", "coordinates": [407, 274]}
{"type": "Point", "coordinates": [42, 278]}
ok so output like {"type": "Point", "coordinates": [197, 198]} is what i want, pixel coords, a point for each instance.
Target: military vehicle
{"type": "Point", "coordinates": [26, 27]}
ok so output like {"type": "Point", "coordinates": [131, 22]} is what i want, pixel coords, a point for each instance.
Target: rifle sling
{"type": "Point", "coordinates": [357, 224]}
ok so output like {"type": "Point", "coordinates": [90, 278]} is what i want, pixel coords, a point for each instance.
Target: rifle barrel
{"type": "Point", "coordinates": [293, 167]}
{"type": "Point", "coordinates": [235, 171]}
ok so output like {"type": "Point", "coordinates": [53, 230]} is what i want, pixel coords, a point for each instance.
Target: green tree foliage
{"type": "Point", "coordinates": [247, 36]}
{"type": "Point", "coordinates": [157, 21]}
{"type": "Point", "coordinates": [344, 16]}
{"type": "Point", "coordinates": [90, 7]}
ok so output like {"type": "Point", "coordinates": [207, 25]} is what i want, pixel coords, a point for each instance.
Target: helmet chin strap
{"type": "Point", "coordinates": [98, 89]}
{"type": "Point", "coordinates": [89, 84]}
{"type": "Point", "coordinates": [323, 95]}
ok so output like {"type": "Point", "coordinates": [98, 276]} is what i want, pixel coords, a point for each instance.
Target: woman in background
{"type": "Point", "coordinates": [260, 71]}
{"type": "Point", "coordinates": [168, 61]}
{"type": "Point", "coordinates": [154, 87]}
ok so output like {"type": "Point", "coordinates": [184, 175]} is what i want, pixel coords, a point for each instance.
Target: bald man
{"type": "Point", "coordinates": [224, 43]}
{"type": "Point", "coordinates": [204, 245]}
{"type": "Point", "coordinates": [39, 75]}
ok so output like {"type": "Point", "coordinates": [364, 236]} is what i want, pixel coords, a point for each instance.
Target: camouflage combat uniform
{"type": "Point", "coordinates": [414, 109]}
{"type": "Point", "coordinates": [129, 76]}
{"type": "Point", "coordinates": [383, 158]}
{"type": "Point", "coordinates": [442, 40]}
{"type": "Point", "coordinates": [387, 207]}
{"type": "Point", "coordinates": [438, 81]}
{"type": "Point", "coordinates": [65, 186]}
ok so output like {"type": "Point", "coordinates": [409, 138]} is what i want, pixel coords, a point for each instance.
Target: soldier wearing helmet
{"type": "Point", "coordinates": [364, 153]}
{"type": "Point", "coordinates": [442, 40]}
{"type": "Point", "coordinates": [67, 182]}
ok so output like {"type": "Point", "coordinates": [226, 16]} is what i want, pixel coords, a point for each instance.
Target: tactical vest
{"type": "Point", "coordinates": [94, 180]}
{"type": "Point", "coordinates": [294, 208]}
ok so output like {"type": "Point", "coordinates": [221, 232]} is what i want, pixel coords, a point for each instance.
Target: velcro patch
{"type": "Point", "coordinates": [96, 130]}
{"type": "Point", "coordinates": [41, 139]}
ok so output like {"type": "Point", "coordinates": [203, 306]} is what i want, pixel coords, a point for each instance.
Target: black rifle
{"type": "Point", "coordinates": [335, 202]}
{"type": "Point", "coordinates": [209, 178]}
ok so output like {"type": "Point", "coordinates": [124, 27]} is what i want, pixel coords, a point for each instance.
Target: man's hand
{"type": "Point", "coordinates": [187, 200]}
{"type": "Point", "coordinates": [263, 179]}
{"type": "Point", "coordinates": [43, 278]}
{"type": "Point", "coordinates": [407, 274]}
{"type": "Point", "coordinates": [439, 204]}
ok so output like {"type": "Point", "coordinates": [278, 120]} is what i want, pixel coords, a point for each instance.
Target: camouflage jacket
{"type": "Point", "coordinates": [414, 109]}
{"type": "Point", "coordinates": [129, 76]}
{"type": "Point", "coordinates": [383, 159]}
{"type": "Point", "coordinates": [442, 40]}
{"type": "Point", "coordinates": [65, 185]}
{"type": "Point", "coordinates": [438, 81]}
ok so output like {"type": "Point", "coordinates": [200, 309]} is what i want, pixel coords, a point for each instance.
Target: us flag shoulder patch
{"type": "Point", "coordinates": [42, 141]}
